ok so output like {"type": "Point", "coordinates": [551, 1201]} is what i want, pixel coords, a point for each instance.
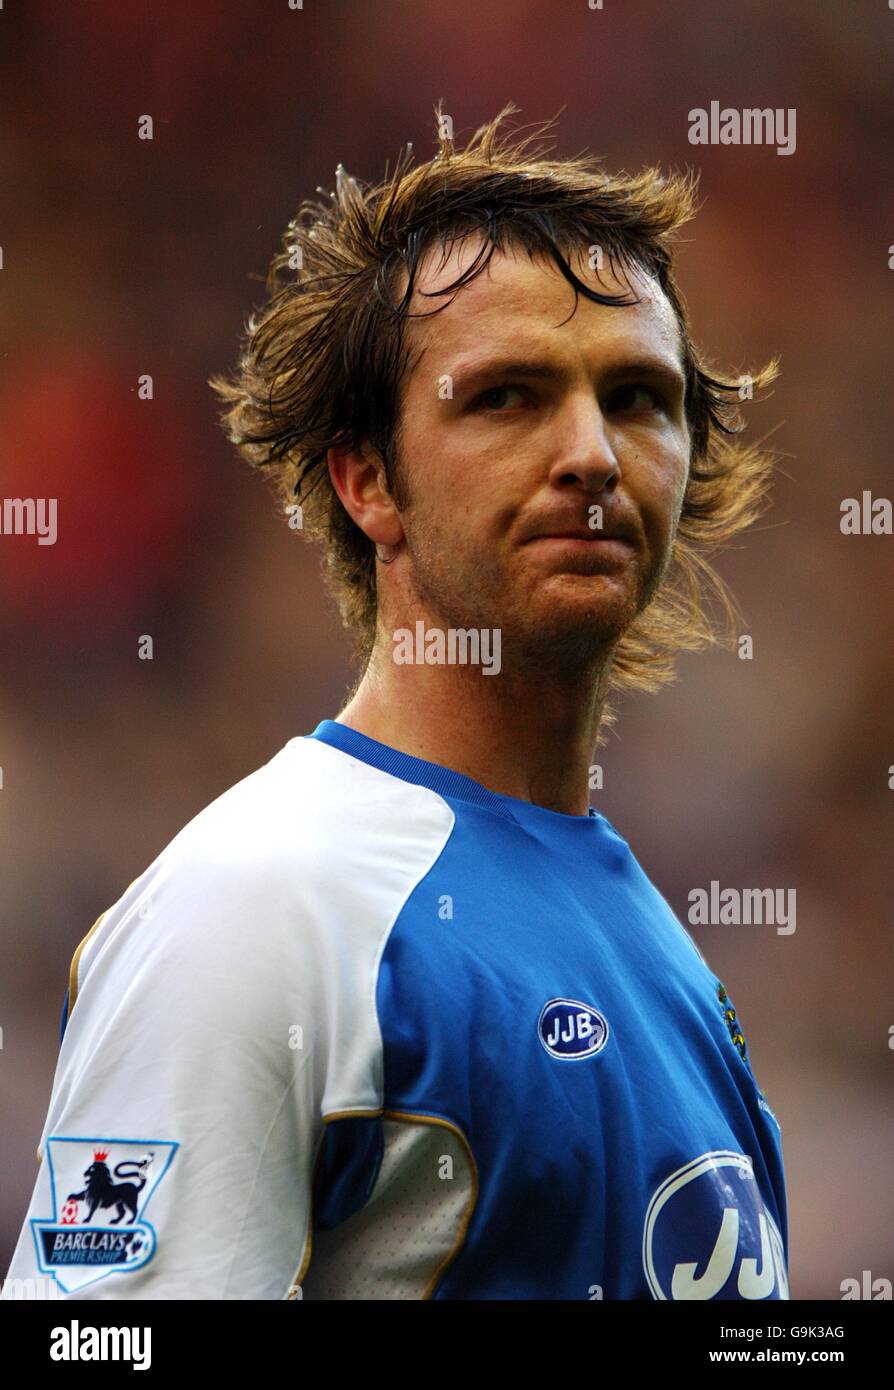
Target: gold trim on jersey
{"type": "Point", "coordinates": [76, 958]}
{"type": "Point", "coordinates": [291, 1296]}
{"type": "Point", "coordinates": [75, 962]}
{"type": "Point", "coordinates": [408, 1117]}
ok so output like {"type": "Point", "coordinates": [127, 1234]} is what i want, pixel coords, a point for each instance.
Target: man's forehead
{"type": "Point", "coordinates": [519, 298]}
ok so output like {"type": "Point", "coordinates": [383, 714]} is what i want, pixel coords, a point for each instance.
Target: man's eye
{"type": "Point", "coordinates": [495, 398]}
{"type": "Point", "coordinates": [625, 398]}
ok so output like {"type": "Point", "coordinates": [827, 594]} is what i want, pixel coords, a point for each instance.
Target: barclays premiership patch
{"type": "Point", "coordinates": [101, 1188]}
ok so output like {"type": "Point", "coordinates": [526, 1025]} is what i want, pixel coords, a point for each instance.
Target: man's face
{"type": "Point", "coordinates": [519, 419]}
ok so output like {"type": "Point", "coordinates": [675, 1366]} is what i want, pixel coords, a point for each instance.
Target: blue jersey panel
{"type": "Point", "coordinates": [538, 993]}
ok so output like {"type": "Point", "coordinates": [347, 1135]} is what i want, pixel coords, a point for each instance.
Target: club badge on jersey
{"type": "Point", "coordinates": [101, 1188]}
{"type": "Point", "coordinates": [571, 1030]}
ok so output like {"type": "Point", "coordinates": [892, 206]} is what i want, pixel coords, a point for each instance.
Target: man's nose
{"type": "Point", "coordinates": [583, 449]}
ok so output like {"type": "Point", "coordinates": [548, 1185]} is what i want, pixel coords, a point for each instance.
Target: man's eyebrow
{"type": "Point", "coordinates": [645, 364]}
{"type": "Point", "coordinates": [467, 377]}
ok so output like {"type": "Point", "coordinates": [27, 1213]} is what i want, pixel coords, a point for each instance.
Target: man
{"type": "Point", "coordinates": [400, 1016]}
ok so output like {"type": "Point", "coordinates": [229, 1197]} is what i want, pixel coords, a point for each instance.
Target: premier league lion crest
{"type": "Point", "coordinates": [101, 1188]}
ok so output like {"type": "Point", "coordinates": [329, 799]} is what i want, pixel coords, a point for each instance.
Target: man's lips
{"type": "Point", "coordinates": [585, 537]}
{"type": "Point", "coordinates": [583, 550]}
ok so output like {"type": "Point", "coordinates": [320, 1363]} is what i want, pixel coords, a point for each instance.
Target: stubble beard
{"type": "Point", "coordinates": [472, 596]}
{"type": "Point", "coordinates": [467, 592]}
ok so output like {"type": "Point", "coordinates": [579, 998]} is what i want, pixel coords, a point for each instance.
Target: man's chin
{"type": "Point", "coordinates": [602, 616]}
{"type": "Point", "coordinates": [567, 633]}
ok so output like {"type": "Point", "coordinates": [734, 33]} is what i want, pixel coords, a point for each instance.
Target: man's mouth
{"type": "Point", "coordinates": [596, 545]}
{"type": "Point", "coordinates": [586, 537]}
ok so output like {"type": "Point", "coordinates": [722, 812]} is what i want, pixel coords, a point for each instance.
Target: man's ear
{"type": "Point", "coordinates": [358, 476]}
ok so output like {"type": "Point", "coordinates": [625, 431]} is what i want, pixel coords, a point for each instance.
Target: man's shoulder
{"type": "Point", "coordinates": [313, 845]}
{"type": "Point", "coordinates": [260, 848]}
{"type": "Point", "coordinates": [312, 810]}
{"type": "Point", "coordinates": [274, 821]}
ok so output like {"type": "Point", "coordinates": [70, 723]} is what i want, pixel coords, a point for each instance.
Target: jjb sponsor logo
{"type": "Point", "coordinates": [570, 1030]}
{"type": "Point", "coordinates": [101, 1188]}
{"type": "Point", "coordinates": [708, 1235]}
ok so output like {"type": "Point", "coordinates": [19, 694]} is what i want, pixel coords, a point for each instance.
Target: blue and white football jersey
{"type": "Point", "coordinates": [368, 1030]}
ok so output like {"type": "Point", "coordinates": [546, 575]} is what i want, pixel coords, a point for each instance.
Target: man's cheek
{"type": "Point", "coordinates": [660, 520]}
{"type": "Point", "coordinates": [670, 506]}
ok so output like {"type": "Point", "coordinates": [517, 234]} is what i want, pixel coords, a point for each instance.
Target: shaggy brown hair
{"type": "Point", "coordinates": [322, 363]}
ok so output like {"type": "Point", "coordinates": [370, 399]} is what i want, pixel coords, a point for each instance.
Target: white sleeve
{"type": "Point", "coordinates": [220, 1011]}
{"type": "Point", "coordinates": [178, 1150]}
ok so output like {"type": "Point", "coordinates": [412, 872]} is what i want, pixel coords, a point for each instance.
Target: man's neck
{"type": "Point", "coordinates": [522, 736]}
